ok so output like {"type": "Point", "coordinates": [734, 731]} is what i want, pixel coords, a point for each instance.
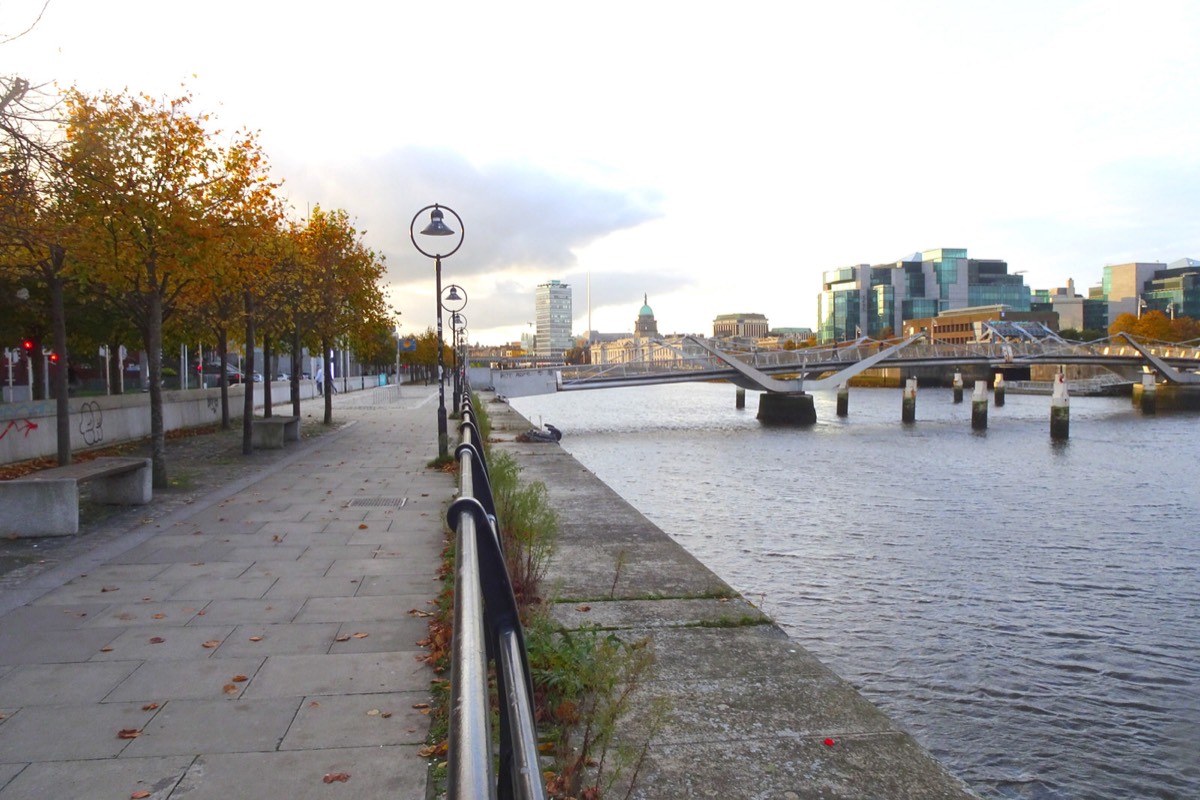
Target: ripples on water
{"type": "Point", "coordinates": [1029, 611]}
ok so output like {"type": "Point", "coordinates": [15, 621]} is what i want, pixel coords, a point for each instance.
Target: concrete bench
{"type": "Point", "coordinates": [272, 432]}
{"type": "Point", "coordinates": [46, 503]}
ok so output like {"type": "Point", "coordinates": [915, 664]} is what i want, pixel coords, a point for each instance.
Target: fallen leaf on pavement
{"type": "Point", "coordinates": [106, 649]}
{"type": "Point", "coordinates": [416, 612]}
{"type": "Point", "coordinates": [374, 712]}
{"type": "Point", "coordinates": [211, 643]}
{"type": "Point", "coordinates": [140, 794]}
{"type": "Point", "coordinates": [128, 733]}
{"type": "Point", "coordinates": [240, 679]}
{"type": "Point", "coordinates": [345, 637]}
{"type": "Point", "coordinates": [340, 777]}
{"type": "Point", "coordinates": [159, 615]}
{"type": "Point", "coordinates": [362, 526]}
{"type": "Point", "coordinates": [256, 638]}
{"type": "Point", "coordinates": [583, 608]}
{"type": "Point", "coordinates": [361, 635]}
{"type": "Point", "coordinates": [149, 706]}
{"type": "Point", "coordinates": [110, 589]}
{"type": "Point", "coordinates": [229, 688]}
{"type": "Point", "coordinates": [157, 640]}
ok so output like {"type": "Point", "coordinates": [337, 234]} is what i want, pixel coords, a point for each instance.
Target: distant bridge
{"type": "Point", "coordinates": [820, 368]}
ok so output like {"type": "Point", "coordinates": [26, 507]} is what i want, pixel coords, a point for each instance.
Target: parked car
{"type": "Point", "coordinates": [283, 376]}
{"type": "Point", "coordinates": [258, 378]}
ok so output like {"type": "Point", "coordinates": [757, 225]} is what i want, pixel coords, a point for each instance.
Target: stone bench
{"type": "Point", "coordinates": [46, 503]}
{"type": "Point", "coordinates": [271, 433]}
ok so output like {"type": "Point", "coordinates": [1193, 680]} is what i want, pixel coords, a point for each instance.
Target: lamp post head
{"type": "Point", "coordinates": [436, 226]}
{"type": "Point", "coordinates": [454, 295]}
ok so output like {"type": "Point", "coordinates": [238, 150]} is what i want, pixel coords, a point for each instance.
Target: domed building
{"type": "Point", "coordinates": [645, 326]}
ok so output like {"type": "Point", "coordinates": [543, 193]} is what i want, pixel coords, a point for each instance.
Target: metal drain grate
{"type": "Point", "coordinates": [376, 502]}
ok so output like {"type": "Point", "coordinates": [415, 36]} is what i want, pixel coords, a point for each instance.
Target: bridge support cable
{"type": "Point", "coordinates": [487, 627]}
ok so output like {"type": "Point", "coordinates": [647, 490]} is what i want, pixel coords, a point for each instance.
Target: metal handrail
{"type": "Point", "coordinates": [486, 626]}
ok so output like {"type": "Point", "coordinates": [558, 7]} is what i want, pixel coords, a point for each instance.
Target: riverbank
{"type": "Point", "coordinates": [751, 713]}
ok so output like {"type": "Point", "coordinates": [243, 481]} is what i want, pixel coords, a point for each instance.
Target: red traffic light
{"type": "Point", "coordinates": [27, 345]}
{"type": "Point", "coordinates": [54, 358]}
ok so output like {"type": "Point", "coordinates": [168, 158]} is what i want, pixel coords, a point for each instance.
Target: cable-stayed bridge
{"type": "Point", "coordinates": [794, 372]}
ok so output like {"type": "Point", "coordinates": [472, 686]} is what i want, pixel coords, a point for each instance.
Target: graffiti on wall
{"type": "Point", "coordinates": [22, 426]}
{"type": "Point", "coordinates": [91, 419]}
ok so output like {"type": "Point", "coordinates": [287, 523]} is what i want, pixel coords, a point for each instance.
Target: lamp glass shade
{"type": "Point", "coordinates": [436, 226]}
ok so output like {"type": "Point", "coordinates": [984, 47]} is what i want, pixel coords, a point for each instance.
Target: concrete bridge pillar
{"type": "Point", "coordinates": [908, 407]}
{"type": "Point", "coordinates": [1060, 410]}
{"type": "Point", "coordinates": [740, 398]}
{"type": "Point", "coordinates": [958, 387]}
{"type": "Point", "coordinates": [1149, 402]}
{"type": "Point", "coordinates": [979, 405]}
{"type": "Point", "coordinates": [843, 400]}
{"type": "Point", "coordinates": [998, 388]}
{"type": "Point", "coordinates": [777, 408]}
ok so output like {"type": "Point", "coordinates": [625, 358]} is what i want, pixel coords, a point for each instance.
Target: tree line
{"type": "Point", "coordinates": [124, 216]}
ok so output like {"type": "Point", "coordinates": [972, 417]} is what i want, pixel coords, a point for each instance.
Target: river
{"type": "Point", "coordinates": [1028, 610]}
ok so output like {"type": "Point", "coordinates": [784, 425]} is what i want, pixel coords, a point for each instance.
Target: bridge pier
{"type": "Point", "coordinates": [739, 400]}
{"type": "Point", "coordinates": [999, 389]}
{"type": "Point", "coordinates": [778, 408]}
{"type": "Point", "coordinates": [1060, 410]}
{"type": "Point", "coordinates": [979, 405]}
{"type": "Point", "coordinates": [843, 400]}
{"type": "Point", "coordinates": [1149, 398]}
{"type": "Point", "coordinates": [908, 404]}
{"type": "Point", "coordinates": [958, 387]}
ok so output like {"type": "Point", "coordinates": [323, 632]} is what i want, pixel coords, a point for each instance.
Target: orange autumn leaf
{"type": "Point", "coordinates": [340, 777]}
{"type": "Point", "coordinates": [345, 637]}
{"type": "Point", "coordinates": [140, 794]}
{"type": "Point", "coordinates": [157, 640]}
{"type": "Point", "coordinates": [362, 526]}
{"type": "Point", "coordinates": [256, 638]}
{"type": "Point", "coordinates": [361, 635]}
{"type": "Point", "coordinates": [240, 679]}
{"type": "Point", "coordinates": [211, 643]}
{"type": "Point", "coordinates": [229, 688]}
{"type": "Point", "coordinates": [149, 706]}
{"type": "Point", "coordinates": [128, 733]}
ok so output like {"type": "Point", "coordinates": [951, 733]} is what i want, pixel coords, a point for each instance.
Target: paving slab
{"type": "Point", "coordinates": [211, 628]}
{"type": "Point", "coordinates": [116, 778]}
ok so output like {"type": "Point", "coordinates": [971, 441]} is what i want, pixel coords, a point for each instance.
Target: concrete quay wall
{"type": "Point", "coordinates": [752, 713]}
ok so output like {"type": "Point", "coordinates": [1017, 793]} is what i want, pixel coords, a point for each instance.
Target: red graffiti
{"type": "Point", "coordinates": [24, 425]}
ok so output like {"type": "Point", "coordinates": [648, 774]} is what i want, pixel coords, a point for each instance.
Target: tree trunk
{"type": "Point", "coordinates": [247, 377]}
{"type": "Point", "coordinates": [223, 375]}
{"type": "Point", "coordinates": [267, 374]}
{"type": "Point", "coordinates": [296, 371]}
{"type": "Point", "coordinates": [158, 437]}
{"type": "Point", "coordinates": [58, 319]}
{"type": "Point", "coordinates": [327, 380]}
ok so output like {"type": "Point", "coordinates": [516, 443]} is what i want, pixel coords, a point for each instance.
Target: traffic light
{"type": "Point", "coordinates": [27, 345]}
{"type": "Point", "coordinates": [54, 358]}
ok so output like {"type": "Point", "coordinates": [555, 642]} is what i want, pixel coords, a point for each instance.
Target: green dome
{"type": "Point", "coordinates": [646, 310]}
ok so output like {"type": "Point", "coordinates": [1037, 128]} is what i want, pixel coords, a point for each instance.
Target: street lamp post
{"type": "Point", "coordinates": [455, 300]}
{"type": "Point", "coordinates": [458, 324]}
{"type": "Point", "coordinates": [437, 227]}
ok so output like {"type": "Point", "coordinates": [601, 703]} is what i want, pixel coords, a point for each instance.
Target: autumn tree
{"type": "Point", "coordinates": [150, 182]}
{"type": "Point", "coordinates": [343, 289]}
{"type": "Point", "coordinates": [35, 228]}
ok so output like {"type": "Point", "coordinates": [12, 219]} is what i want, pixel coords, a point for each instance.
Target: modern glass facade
{"type": "Point", "coordinates": [552, 312]}
{"type": "Point", "coordinates": [874, 299]}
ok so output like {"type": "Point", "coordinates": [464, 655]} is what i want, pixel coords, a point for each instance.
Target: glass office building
{"type": "Point", "coordinates": [552, 312]}
{"type": "Point", "coordinates": [873, 300]}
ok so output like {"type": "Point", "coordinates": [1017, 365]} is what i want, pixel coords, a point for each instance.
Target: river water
{"type": "Point", "coordinates": [1029, 611]}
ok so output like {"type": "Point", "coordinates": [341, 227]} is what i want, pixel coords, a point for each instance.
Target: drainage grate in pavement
{"type": "Point", "coordinates": [395, 502]}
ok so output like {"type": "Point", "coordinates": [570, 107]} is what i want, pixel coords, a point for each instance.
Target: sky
{"type": "Point", "coordinates": [710, 157]}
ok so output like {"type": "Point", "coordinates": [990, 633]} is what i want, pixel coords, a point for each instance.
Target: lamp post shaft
{"type": "Point", "coordinates": [443, 433]}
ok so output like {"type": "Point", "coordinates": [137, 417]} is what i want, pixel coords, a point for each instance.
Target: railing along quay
{"type": "Point", "coordinates": [486, 627]}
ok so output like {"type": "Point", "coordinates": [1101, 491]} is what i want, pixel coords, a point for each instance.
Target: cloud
{"type": "Point", "coordinates": [516, 215]}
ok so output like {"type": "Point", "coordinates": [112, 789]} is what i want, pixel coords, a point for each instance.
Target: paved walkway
{"type": "Point", "coordinates": [251, 637]}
